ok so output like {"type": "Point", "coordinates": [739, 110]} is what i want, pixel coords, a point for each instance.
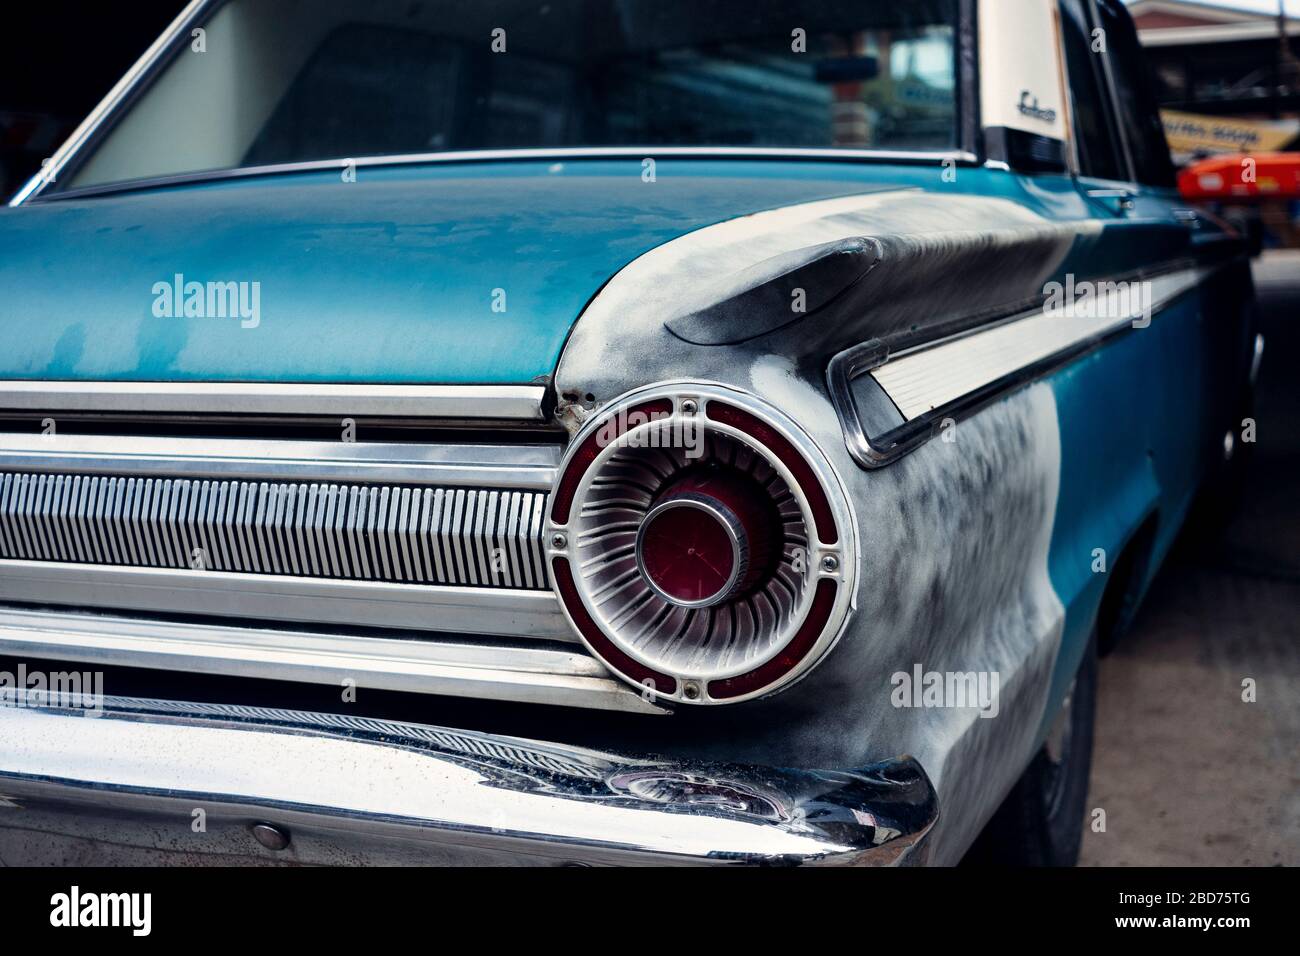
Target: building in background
{"type": "Point", "coordinates": [1225, 78]}
{"type": "Point", "coordinates": [1228, 82]}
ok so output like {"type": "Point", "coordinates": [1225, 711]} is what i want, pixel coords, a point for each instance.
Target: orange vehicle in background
{"type": "Point", "coordinates": [1234, 178]}
{"type": "Point", "coordinates": [1256, 193]}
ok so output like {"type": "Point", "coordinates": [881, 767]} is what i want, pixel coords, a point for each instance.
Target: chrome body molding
{"type": "Point", "coordinates": [511, 402]}
{"type": "Point", "coordinates": [946, 380]}
{"type": "Point", "coordinates": [529, 674]}
{"type": "Point", "coordinates": [924, 379]}
{"type": "Point", "coordinates": [116, 785]}
{"type": "Point", "coordinates": [526, 467]}
{"type": "Point", "coordinates": [270, 597]}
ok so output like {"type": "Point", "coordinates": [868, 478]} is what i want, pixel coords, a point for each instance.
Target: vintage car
{"type": "Point", "coordinates": [618, 432]}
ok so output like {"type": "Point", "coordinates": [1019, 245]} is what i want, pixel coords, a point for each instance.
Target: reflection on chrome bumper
{"type": "Point", "coordinates": [125, 787]}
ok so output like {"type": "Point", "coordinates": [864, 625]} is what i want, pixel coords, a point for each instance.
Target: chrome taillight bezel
{"type": "Point", "coordinates": [830, 561]}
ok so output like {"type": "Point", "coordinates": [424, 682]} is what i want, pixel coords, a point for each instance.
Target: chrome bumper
{"type": "Point", "coordinates": [155, 782]}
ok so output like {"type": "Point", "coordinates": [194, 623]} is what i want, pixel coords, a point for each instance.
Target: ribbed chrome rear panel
{"type": "Point", "coordinates": [417, 535]}
{"type": "Point", "coordinates": [413, 566]}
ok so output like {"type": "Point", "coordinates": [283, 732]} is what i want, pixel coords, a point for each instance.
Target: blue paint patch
{"type": "Point", "coordinates": [1132, 433]}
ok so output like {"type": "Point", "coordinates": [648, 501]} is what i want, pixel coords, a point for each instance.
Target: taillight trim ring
{"type": "Point", "coordinates": [835, 562]}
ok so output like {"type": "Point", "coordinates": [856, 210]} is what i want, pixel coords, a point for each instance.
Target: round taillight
{"type": "Point", "coordinates": [708, 537]}
{"type": "Point", "coordinates": [699, 543]}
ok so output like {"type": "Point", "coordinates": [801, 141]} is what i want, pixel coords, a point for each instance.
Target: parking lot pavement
{"type": "Point", "coordinates": [1187, 772]}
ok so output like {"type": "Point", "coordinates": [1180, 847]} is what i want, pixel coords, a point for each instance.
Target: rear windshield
{"type": "Point", "coordinates": [282, 81]}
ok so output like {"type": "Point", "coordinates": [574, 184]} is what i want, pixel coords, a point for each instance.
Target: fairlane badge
{"type": "Point", "coordinates": [1029, 106]}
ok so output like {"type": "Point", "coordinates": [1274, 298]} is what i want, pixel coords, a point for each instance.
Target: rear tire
{"type": "Point", "coordinates": [1041, 821]}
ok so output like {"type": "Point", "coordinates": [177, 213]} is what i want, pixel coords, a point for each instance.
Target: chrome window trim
{"type": "Point", "coordinates": [1112, 102]}
{"type": "Point", "coordinates": [1067, 97]}
{"type": "Point", "coordinates": [876, 451]}
{"type": "Point", "coordinates": [1109, 106]}
{"type": "Point", "coordinates": [509, 402]}
{"type": "Point", "coordinates": [966, 71]}
{"type": "Point", "coordinates": [420, 609]}
{"type": "Point", "coordinates": [960, 156]}
{"type": "Point", "coordinates": [537, 675]}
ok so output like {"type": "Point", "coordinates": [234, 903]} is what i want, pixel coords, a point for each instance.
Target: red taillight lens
{"type": "Point", "coordinates": [803, 474]}
{"type": "Point", "coordinates": [689, 554]}
{"type": "Point", "coordinates": [645, 676]}
{"type": "Point", "coordinates": [612, 432]}
{"type": "Point", "coordinates": [709, 536]}
{"type": "Point", "coordinates": [790, 656]}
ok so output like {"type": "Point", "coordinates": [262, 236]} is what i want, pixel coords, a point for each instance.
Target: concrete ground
{"type": "Point", "coordinates": [1187, 772]}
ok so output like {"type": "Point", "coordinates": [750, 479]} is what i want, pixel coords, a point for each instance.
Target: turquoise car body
{"type": "Point", "coordinates": [414, 275]}
{"type": "Point", "coordinates": [1002, 529]}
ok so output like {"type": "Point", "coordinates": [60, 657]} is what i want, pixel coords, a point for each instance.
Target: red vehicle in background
{"type": "Point", "coordinates": [1251, 191]}
{"type": "Point", "coordinates": [1237, 177]}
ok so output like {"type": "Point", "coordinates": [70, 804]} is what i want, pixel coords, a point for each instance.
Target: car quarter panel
{"type": "Point", "coordinates": [982, 540]}
{"type": "Point", "coordinates": [977, 550]}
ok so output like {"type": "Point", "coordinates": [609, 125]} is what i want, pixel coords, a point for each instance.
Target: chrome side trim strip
{"type": "Point", "coordinates": [523, 467]}
{"type": "Point", "coordinates": [455, 610]}
{"type": "Point", "coordinates": [949, 379]}
{"type": "Point", "coordinates": [510, 402]}
{"type": "Point", "coordinates": [487, 672]}
{"type": "Point", "coordinates": [121, 785]}
{"type": "Point", "coordinates": [931, 377]}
